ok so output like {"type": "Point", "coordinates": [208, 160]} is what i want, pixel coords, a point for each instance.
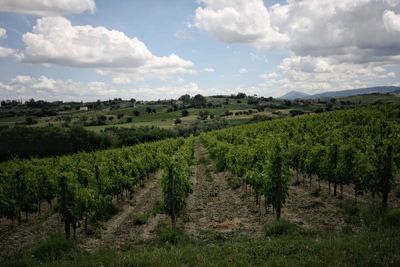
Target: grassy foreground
{"type": "Point", "coordinates": [285, 246]}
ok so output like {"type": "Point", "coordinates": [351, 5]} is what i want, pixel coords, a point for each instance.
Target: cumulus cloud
{"type": "Point", "coordinates": [46, 7]}
{"type": "Point", "coordinates": [54, 40]}
{"type": "Point", "coordinates": [236, 21]}
{"type": "Point", "coordinates": [25, 87]}
{"type": "Point", "coordinates": [5, 51]}
{"type": "Point", "coordinates": [318, 74]}
{"type": "Point", "coordinates": [333, 44]}
{"type": "Point", "coordinates": [348, 30]}
{"type": "Point", "coordinates": [391, 21]}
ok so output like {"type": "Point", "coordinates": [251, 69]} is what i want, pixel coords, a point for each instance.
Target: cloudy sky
{"type": "Point", "coordinates": [157, 49]}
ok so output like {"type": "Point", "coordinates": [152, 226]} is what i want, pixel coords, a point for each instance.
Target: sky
{"type": "Point", "coordinates": [84, 50]}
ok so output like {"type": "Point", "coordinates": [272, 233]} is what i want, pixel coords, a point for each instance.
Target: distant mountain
{"type": "Point", "coordinates": [362, 91]}
{"type": "Point", "coordinates": [295, 95]}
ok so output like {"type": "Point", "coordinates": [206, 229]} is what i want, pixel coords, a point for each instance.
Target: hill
{"type": "Point", "coordinates": [343, 93]}
{"type": "Point", "coordinates": [294, 95]}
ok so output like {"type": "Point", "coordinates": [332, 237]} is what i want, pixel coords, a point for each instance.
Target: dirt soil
{"type": "Point", "coordinates": [123, 228]}
{"type": "Point", "coordinates": [214, 208]}
{"type": "Point", "coordinates": [37, 228]}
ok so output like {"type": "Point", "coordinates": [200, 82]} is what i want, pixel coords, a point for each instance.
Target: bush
{"type": "Point", "coordinates": [52, 249]}
{"type": "Point", "coordinates": [280, 227]}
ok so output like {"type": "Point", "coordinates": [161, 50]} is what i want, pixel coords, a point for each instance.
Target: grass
{"type": "Point", "coordinates": [173, 248]}
{"type": "Point", "coordinates": [280, 227]}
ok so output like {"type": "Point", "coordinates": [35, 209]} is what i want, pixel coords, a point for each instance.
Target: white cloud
{"type": "Point", "coordinates": [3, 33]}
{"type": "Point", "coordinates": [243, 71]}
{"type": "Point", "coordinates": [5, 51]}
{"type": "Point", "coordinates": [237, 21]}
{"type": "Point", "coordinates": [208, 70]}
{"type": "Point", "coordinates": [26, 87]}
{"type": "Point", "coordinates": [391, 21]}
{"type": "Point", "coordinates": [54, 40]}
{"type": "Point", "coordinates": [47, 7]}
{"type": "Point", "coordinates": [318, 74]}
{"type": "Point", "coordinates": [333, 44]}
{"type": "Point", "coordinates": [351, 31]}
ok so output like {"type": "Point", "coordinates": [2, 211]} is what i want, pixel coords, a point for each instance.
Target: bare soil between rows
{"type": "Point", "coordinates": [214, 208]}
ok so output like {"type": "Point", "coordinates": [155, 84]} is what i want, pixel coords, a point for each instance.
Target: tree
{"type": "Point", "coordinates": [199, 100]}
{"type": "Point", "coordinates": [185, 98]}
{"type": "Point", "coordinates": [241, 95]}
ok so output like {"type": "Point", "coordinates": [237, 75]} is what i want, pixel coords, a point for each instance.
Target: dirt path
{"type": "Point", "coordinates": [123, 228]}
{"type": "Point", "coordinates": [214, 206]}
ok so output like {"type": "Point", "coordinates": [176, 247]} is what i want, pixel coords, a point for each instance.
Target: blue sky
{"type": "Point", "coordinates": [88, 49]}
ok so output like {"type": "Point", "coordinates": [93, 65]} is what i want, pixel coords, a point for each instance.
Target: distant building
{"type": "Point", "coordinates": [83, 109]}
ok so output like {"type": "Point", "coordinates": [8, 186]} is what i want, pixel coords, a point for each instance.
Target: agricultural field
{"type": "Point", "coordinates": [199, 133]}
{"type": "Point", "coordinates": [120, 113]}
{"type": "Point", "coordinates": [317, 189]}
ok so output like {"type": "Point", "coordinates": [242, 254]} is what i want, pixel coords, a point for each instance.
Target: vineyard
{"type": "Point", "coordinates": [357, 147]}
{"type": "Point", "coordinates": [269, 166]}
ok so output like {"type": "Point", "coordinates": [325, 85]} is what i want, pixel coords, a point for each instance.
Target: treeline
{"type": "Point", "coordinates": [24, 142]}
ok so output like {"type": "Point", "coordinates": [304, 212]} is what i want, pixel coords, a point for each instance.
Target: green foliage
{"type": "Point", "coordinates": [141, 218]}
{"type": "Point", "coordinates": [175, 182]}
{"type": "Point", "coordinates": [280, 227]}
{"type": "Point", "coordinates": [357, 147]}
{"type": "Point", "coordinates": [365, 248]}
{"type": "Point", "coordinates": [84, 184]}
{"type": "Point", "coordinates": [52, 249]}
{"type": "Point", "coordinates": [172, 236]}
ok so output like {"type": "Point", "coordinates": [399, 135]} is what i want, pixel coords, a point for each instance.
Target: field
{"type": "Point", "coordinates": [269, 193]}
{"type": "Point", "coordinates": [160, 114]}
